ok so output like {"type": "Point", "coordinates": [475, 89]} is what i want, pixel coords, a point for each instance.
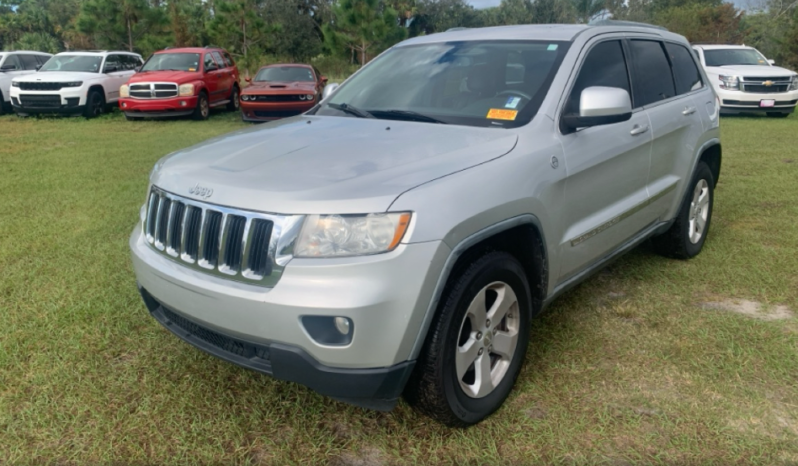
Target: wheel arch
{"type": "Point", "coordinates": [712, 156]}
{"type": "Point", "coordinates": [96, 87]}
{"type": "Point", "coordinates": [520, 236]}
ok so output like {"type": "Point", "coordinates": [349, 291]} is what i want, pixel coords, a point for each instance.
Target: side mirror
{"type": "Point", "coordinates": [772, 62]}
{"type": "Point", "coordinates": [600, 105]}
{"type": "Point", "coordinates": [111, 69]}
{"type": "Point", "coordinates": [137, 69]}
{"type": "Point", "coordinates": [248, 79]}
{"type": "Point", "coordinates": [38, 67]}
{"type": "Point", "coordinates": [328, 90]}
{"type": "Point", "coordinates": [323, 79]}
{"type": "Point", "coordinates": [8, 68]}
{"type": "Point", "coordinates": [210, 68]}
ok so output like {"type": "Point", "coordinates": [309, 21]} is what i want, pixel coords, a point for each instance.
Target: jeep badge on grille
{"type": "Point", "coordinates": [200, 191]}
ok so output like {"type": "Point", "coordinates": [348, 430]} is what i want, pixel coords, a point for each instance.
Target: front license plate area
{"type": "Point", "coordinates": [767, 103]}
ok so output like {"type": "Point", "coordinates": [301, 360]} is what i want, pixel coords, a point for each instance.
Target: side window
{"type": "Point", "coordinates": [684, 69]}
{"type": "Point", "coordinates": [209, 64]}
{"type": "Point", "coordinates": [604, 66]}
{"type": "Point", "coordinates": [219, 60]}
{"type": "Point", "coordinates": [28, 62]}
{"type": "Point", "coordinates": [229, 60]}
{"type": "Point", "coordinates": [112, 64]}
{"type": "Point", "coordinates": [651, 73]}
{"type": "Point", "coordinates": [42, 59]}
{"type": "Point", "coordinates": [12, 63]}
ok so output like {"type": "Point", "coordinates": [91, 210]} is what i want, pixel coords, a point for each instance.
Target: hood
{"type": "Point", "coordinates": [312, 164]}
{"type": "Point", "coordinates": [177, 77]}
{"type": "Point", "coordinates": [57, 76]}
{"type": "Point", "coordinates": [278, 87]}
{"type": "Point", "coordinates": [751, 70]}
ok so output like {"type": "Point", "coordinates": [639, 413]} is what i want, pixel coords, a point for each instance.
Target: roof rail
{"type": "Point", "coordinates": [613, 22]}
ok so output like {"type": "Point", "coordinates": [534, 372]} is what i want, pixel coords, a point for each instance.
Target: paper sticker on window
{"type": "Point", "coordinates": [502, 114]}
{"type": "Point", "coordinates": [552, 47]}
{"type": "Point", "coordinates": [512, 102]}
{"type": "Point", "coordinates": [192, 69]}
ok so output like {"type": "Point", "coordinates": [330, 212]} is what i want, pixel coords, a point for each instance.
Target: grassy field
{"type": "Point", "coordinates": [653, 361]}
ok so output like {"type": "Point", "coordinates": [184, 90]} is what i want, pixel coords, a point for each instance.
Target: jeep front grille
{"type": "Point", "coordinates": [245, 246]}
{"type": "Point", "coordinates": [153, 90]}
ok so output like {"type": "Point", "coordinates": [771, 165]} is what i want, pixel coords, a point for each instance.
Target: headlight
{"type": "Point", "coordinates": [185, 90]}
{"type": "Point", "coordinates": [351, 235]}
{"type": "Point", "coordinates": [794, 85]}
{"type": "Point", "coordinates": [124, 91]}
{"type": "Point", "coordinates": [729, 82]}
{"type": "Point", "coordinates": [244, 97]}
{"type": "Point", "coordinates": [14, 84]}
{"type": "Point", "coordinates": [72, 84]}
{"type": "Point", "coordinates": [310, 96]}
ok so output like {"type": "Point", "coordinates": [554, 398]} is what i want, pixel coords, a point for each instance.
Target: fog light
{"type": "Point", "coordinates": [124, 104]}
{"type": "Point", "coordinates": [342, 325]}
{"type": "Point", "coordinates": [182, 103]}
{"type": "Point", "coordinates": [328, 330]}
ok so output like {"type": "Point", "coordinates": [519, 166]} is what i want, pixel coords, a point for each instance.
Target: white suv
{"type": "Point", "coordinates": [15, 64]}
{"type": "Point", "coordinates": [746, 81]}
{"type": "Point", "coordinates": [74, 83]}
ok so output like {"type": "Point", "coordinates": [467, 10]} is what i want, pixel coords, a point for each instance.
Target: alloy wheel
{"type": "Point", "coordinates": [699, 211]}
{"type": "Point", "coordinates": [487, 339]}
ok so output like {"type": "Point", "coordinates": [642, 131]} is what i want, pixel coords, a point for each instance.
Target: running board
{"type": "Point", "coordinates": [221, 102]}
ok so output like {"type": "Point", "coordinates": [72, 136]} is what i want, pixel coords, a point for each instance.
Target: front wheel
{"type": "Point", "coordinates": [95, 104]}
{"type": "Point", "coordinates": [686, 236]}
{"type": "Point", "coordinates": [203, 109]}
{"type": "Point", "coordinates": [476, 343]}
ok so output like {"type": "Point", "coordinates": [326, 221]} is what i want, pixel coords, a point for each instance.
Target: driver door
{"type": "Point", "coordinates": [606, 166]}
{"type": "Point", "coordinates": [117, 75]}
{"type": "Point", "coordinates": [212, 81]}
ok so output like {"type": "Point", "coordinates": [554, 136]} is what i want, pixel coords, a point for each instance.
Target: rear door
{"type": "Point", "coordinates": [211, 77]}
{"type": "Point", "coordinates": [664, 85]}
{"type": "Point", "coordinates": [117, 73]}
{"type": "Point", "coordinates": [226, 77]}
{"type": "Point", "coordinates": [607, 167]}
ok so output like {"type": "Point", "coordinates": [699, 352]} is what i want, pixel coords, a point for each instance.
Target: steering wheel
{"type": "Point", "coordinates": [514, 92]}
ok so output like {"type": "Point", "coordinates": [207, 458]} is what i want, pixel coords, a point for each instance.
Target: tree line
{"type": "Point", "coordinates": [346, 33]}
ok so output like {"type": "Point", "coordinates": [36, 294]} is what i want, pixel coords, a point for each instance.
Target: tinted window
{"type": "Point", "coordinates": [28, 62]}
{"type": "Point", "coordinates": [12, 63]}
{"type": "Point", "coordinates": [173, 61]}
{"type": "Point", "coordinates": [229, 59]}
{"type": "Point", "coordinates": [725, 57]}
{"type": "Point", "coordinates": [209, 63]}
{"type": "Point", "coordinates": [604, 66]}
{"type": "Point", "coordinates": [219, 60]}
{"type": "Point", "coordinates": [42, 59]}
{"type": "Point", "coordinates": [651, 73]}
{"type": "Point", "coordinates": [285, 74]}
{"type": "Point", "coordinates": [684, 69]}
{"type": "Point", "coordinates": [112, 64]}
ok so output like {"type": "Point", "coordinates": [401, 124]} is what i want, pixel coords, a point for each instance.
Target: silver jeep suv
{"type": "Point", "coordinates": [398, 237]}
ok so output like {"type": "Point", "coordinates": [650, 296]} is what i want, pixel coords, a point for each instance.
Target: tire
{"type": "Point", "coordinates": [778, 115]}
{"type": "Point", "coordinates": [95, 104]}
{"type": "Point", "coordinates": [2, 104]}
{"type": "Point", "coordinates": [686, 237]}
{"type": "Point", "coordinates": [234, 103]}
{"type": "Point", "coordinates": [493, 280]}
{"type": "Point", "coordinates": [203, 110]}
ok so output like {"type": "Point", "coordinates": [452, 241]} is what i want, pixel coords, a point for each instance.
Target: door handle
{"type": "Point", "coordinates": [637, 129]}
{"type": "Point", "coordinates": [688, 111]}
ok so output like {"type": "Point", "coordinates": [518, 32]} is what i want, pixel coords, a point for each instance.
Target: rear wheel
{"type": "Point", "coordinates": [235, 101]}
{"type": "Point", "coordinates": [203, 109]}
{"type": "Point", "coordinates": [686, 236]}
{"type": "Point", "coordinates": [95, 104]}
{"type": "Point", "coordinates": [476, 343]}
{"type": "Point", "coordinates": [778, 114]}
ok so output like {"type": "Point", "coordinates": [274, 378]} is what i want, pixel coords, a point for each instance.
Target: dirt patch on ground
{"type": "Point", "coordinates": [751, 309]}
{"type": "Point", "coordinates": [368, 456]}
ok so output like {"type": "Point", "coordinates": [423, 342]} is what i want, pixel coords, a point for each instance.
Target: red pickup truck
{"type": "Point", "coordinates": [181, 82]}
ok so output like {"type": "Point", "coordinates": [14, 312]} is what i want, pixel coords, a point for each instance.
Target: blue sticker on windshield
{"type": "Point", "coordinates": [552, 47]}
{"type": "Point", "coordinates": [512, 102]}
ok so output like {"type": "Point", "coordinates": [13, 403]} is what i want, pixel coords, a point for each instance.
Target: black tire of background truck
{"type": "Point", "coordinates": [234, 103]}
{"type": "Point", "coordinates": [95, 103]}
{"type": "Point", "coordinates": [202, 111]}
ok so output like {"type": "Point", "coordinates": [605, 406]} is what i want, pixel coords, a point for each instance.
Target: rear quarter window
{"type": "Point", "coordinates": [685, 70]}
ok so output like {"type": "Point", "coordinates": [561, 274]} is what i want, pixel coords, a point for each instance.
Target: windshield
{"type": "Point", "coordinates": [723, 57]}
{"type": "Point", "coordinates": [84, 63]}
{"type": "Point", "coordinates": [486, 83]}
{"type": "Point", "coordinates": [172, 61]}
{"type": "Point", "coordinates": [285, 74]}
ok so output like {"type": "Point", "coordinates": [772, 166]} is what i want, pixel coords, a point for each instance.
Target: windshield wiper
{"type": "Point", "coordinates": [409, 115]}
{"type": "Point", "coordinates": [351, 110]}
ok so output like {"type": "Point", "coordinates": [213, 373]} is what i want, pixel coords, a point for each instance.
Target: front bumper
{"type": "Point", "coordinates": [156, 108]}
{"type": "Point", "coordinates": [749, 102]}
{"type": "Point", "coordinates": [385, 296]}
{"type": "Point", "coordinates": [65, 102]}
{"type": "Point", "coordinates": [268, 111]}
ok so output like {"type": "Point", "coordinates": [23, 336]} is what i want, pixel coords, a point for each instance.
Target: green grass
{"type": "Point", "coordinates": [630, 367]}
